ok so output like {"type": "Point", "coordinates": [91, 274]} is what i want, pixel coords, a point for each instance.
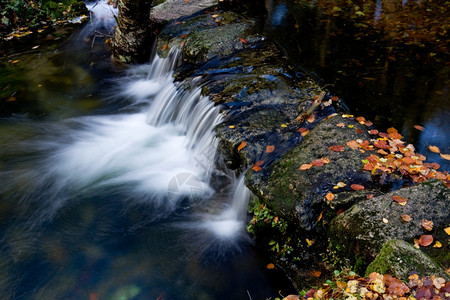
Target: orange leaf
{"type": "Point", "coordinates": [320, 216]}
{"type": "Point", "coordinates": [183, 36]}
{"type": "Point", "coordinates": [244, 41]}
{"type": "Point", "coordinates": [447, 230]}
{"type": "Point", "coordinates": [418, 127]}
{"type": "Point", "coordinates": [316, 273]}
{"type": "Point", "coordinates": [406, 218]}
{"type": "Point", "coordinates": [242, 145]}
{"type": "Point", "coordinates": [373, 131]}
{"type": "Point", "coordinates": [434, 149]}
{"type": "Point", "coordinates": [270, 148]}
{"type": "Point", "coordinates": [425, 240]}
{"type": "Point", "coordinates": [257, 166]}
{"type": "Point", "coordinates": [305, 166]}
{"type": "Point", "coordinates": [342, 125]}
{"type": "Point", "coordinates": [399, 200]}
{"type": "Point", "coordinates": [270, 266]}
{"type": "Point", "coordinates": [325, 160]}
{"type": "Point", "coordinates": [445, 156]}
{"type": "Point", "coordinates": [427, 225]}
{"type": "Point", "coordinates": [369, 196]}
{"type": "Point", "coordinates": [330, 196]}
{"type": "Point", "coordinates": [317, 162]}
{"type": "Point", "coordinates": [392, 130]}
{"type": "Point", "coordinates": [302, 129]}
{"type": "Point", "coordinates": [353, 144]}
{"type": "Point", "coordinates": [357, 187]}
{"type": "Point", "coordinates": [336, 148]}
{"type": "Point", "coordinates": [361, 119]}
{"type": "Point", "coordinates": [305, 133]}
{"type": "Point", "coordinates": [311, 118]}
{"type": "Point", "coordinates": [164, 47]}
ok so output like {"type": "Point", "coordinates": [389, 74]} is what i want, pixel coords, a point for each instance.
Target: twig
{"type": "Point", "coordinates": [303, 116]}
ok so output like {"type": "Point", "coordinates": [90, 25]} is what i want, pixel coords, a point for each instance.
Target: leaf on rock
{"type": "Point", "coordinates": [427, 225]}
{"type": "Point", "coordinates": [311, 118]}
{"type": "Point", "coordinates": [342, 125]}
{"type": "Point", "coordinates": [425, 240]}
{"type": "Point", "coordinates": [434, 149]}
{"type": "Point", "coordinates": [329, 196]}
{"type": "Point", "coordinates": [447, 230]}
{"type": "Point", "coordinates": [336, 148]}
{"type": "Point", "coordinates": [353, 144]}
{"type": "Point", "coordinates": [243, 41]}
{"type": "Point", "coordinates": [400, 200]}
{"type": "Point", "coordinates": [418, 127]}
{"type": "Point", "coordinates": [357, 187]}
{"type": "Point", "coordinates": [242, 145]}
{"type": "Point", "coordinates": [437, 244]}
{"type": "Point", "coordinates": [164, 47]}
{"type": "Point", "coordinates": [305, 167]}
{"type": "Point", "coordinates": [406, 218]}
{"type": "Point", "coordinates": [270, 148]}
{"type": "Point", "coordinates": [257, 166]}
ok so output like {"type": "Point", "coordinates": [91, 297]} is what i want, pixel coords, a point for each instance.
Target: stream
{"type": "Point", "coordinates": [106, 184]}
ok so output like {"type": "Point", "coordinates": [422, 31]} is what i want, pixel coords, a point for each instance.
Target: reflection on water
{"type": "Point", "coordinates": [387, 61]}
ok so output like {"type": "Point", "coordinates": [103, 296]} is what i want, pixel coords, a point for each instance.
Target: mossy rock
{"type": "Point", "coordinates": [366, 226]}
{"type": "Point", "coordinates": [300, 194]}
{"type": "Point", "coordinates": [399, 259]}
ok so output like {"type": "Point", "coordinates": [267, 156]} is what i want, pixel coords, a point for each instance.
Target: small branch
{"type": "Point", "coordinates": [303, 116]}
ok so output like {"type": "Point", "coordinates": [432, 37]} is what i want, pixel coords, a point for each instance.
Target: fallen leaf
{"type": "Point", "coordinates": [242, 145]}
{"type": "Point", "coordinates": [311, 118]}
{"type": "Point", "coordinates": [427, 225]}
{"type": "Point", "coordinates": [320, 216]}
{"type": "Point", "coordinates": [445, 156]}
{"type": "Point", "coordinates": [304, 133]}
{"type": "Point", "coordinates": [373, 131]}
{"type": "Point", "coordinates": [447, 230]}
{"type": "Point", "coordinates": [329, 196]}
{"type": "Point", "coordinates": [385, 221]}
{"type": "Point", "coordinates": [369, 196]}
{"type": "Point", "coordinates": [270, 148]}
{"type": "Point", "coordinates": [270, 266]}
{"type": "Point", "coordinates": [361, 119]}
{"type": "Point", "coordinates": [357, 187]}
{"type": "Point", "coordinates": [418, 127]}
{"type": "Point", "coordinates": [302, 129]}
{"type": "Point", "coordinates": [342, 125]}
{"type": "Point", "coordinates": [425, 240]}
{"type": "Point", "coordinates": [310, 242]}
{"type": "Point", "coordinates": [283, 125]}
{"type": "Point", "coordinates": [434, 149]}
{"type": "Point", "coordinates": [317, 162]}
{"type": "Point", "coordinates": [231, 126]}
{"type": "Point", "coordinates": [334, 98]}
{"type": "Point", "coordinates": [353, 144]}
{"type": "Point", "coordinates": [183, 36]}
{"type": "Point", "coordinates": [305, 167]}
{"type": "Point", "coordinates": [406, 218]}
{"type": "Point", "coordinates": [336, 148]}
{"type": "Point", "coordinates": [215, 16]}
{"type": "Point", "coordinates": [291, 297]}
{"type": "Point", "coordinates": [243, 41]}
{"type": "Point", "coordinates": [164, 47]}
{"type": "Point", "coordinates": [316, 273]}
{"type": "Point", "coordinates": [437, 244]}
{"type": "Point", "coordinates": [400, 200]}
{"type": "Point", "coordinates": [341, 184]}
{"type": "Point", "coordinates": [257, 166]}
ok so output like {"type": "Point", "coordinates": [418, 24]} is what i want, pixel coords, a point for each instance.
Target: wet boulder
{"type": "Point", "coordinates": [399, 259]}
{"type": "Point", "coordinates": [169, 10]}
{"type": "Point", "coordinates": [363, 229]}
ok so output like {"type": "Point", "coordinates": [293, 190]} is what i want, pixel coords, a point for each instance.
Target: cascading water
{"type": "Point", "coordinates": [105, 205]}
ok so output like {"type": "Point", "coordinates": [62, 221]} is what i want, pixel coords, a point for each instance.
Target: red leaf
{"type": "Point", "coordinates": [425, 240]}
{"type": "Point", "coordinates": [244, 41]}
{"type": "Point", "coordinates": [399, 199]}
{"type": "Point", "coordinates": [357, 187]}
{"type": "Point", "coordinates": [337, 148]}
{"type": "Point", "coordinates": [317, 162]}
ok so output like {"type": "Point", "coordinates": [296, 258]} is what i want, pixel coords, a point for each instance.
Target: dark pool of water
{"type": "Point", "coordinates": [388, 60]}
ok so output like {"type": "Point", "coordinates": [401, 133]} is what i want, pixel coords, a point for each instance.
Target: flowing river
{"type": "Point", "coordinates": [107, 185]}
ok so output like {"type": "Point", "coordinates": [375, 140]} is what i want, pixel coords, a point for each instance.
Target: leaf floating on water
{"type": "Point", "coordinates": [357, 187]}
{"type": "Point", "coordinates": [329, 196]}
{"type": "Point", "coordinates": [270, 148]}
{"type": "Point", "coordinates": [445, 156]}
{"type": "Point", "coordinates": [425, 240]}
{"type": "Point", "coordinates": [305, 167]}
{"type": "Point", "coordinates": [434, 149]}
{"type": "Point", "coordinates": [406, 218]}
{"type": "Point", "coordinates": [427, 225]}
{"type": "Point", "coordinates": [400, 200]}
{"type": "Point", "coordinates": [257, 166]}
{"type": "Point", "coordinates": [270, 266]}
{"type": "Point", "coordinates": [242, 145]}
{"type": "Point", "coordinates": [418, 127]}
{"type": "Point", "coordinates": [336, 148]}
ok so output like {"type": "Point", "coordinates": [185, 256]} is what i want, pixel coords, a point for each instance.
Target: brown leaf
{"type": "Point", "coordinates": [406, 218]}
{"type": "Point", "coordinates": [342, 125]}
{"type": "Point", "coordinates": [427, 225]}
{"type": "Point", "coordinates": [305, 166]}
{"type": "Point", "coordinates": [400, 200]}
{"type": "Point", "coordinates": [270, 148]}
{"type": "Point", "coordinates": [317, 162]}
{"type": "Point", "coordinates": [336, 148]}
{"type": "Point", "coordinates": [373, 131]}
{"type": "Point", "coordinates": [425, 240]}
{"type": "Point", "coordinates": [329, 196]}
{"type": "Point", "coordinates": [242, 145]}
{"type": "Point", "coordinates": [357, 187]}
{"type": "Point", "coordinates": [434, 149]}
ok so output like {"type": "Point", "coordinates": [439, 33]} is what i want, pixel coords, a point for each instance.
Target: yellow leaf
{"type": "Point", "coordinates": [15, 61]}
{"type": "Point", "coordinates": [310, 242]}
{"type": "Point", "coordinates": [341, 184]}
{"type": "Point", "coordinates": [437, 245]}
{"type": "Point", "coordinates": [283, 125]}
{"type": "Point", "coordinates": [242, 145]}
{"type": "Point", "coordinates": [231, 126]}
{"type": "Point", "coordinates": [320, 216]}
{"type": "Point", "coordinates": [447, 230]}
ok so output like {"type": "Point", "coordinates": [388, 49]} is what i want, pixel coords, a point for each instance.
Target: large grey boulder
{"type": "Point", "coordinates": [170, 10]}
